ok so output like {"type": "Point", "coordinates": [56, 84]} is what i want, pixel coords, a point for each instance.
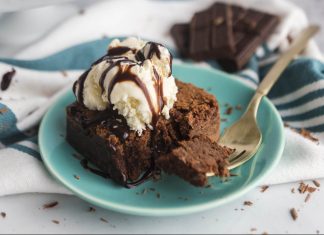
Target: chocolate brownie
{"type": "Point", "coordinates": [193, 160]}
{"type": "Point", "coordinates": [104, 138]}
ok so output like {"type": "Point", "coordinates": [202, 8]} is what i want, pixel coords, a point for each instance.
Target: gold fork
{"type": "Point", "coordinates": [244, 135]}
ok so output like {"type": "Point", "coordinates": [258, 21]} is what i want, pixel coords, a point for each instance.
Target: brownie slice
{"type": "Point", "coordinates": [194, 159]}
{"type": "Point", "coordinates": [104, 138]}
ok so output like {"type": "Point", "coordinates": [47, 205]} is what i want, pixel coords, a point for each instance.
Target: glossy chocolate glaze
{"type": "Point", "coordinates": [127, 184]}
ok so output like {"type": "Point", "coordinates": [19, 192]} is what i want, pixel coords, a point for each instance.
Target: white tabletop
{"type": "Point", "coordinates": [269, 212]}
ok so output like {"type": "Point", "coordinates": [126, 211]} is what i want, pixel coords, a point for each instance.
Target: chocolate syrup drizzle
{"type": "Point", "coordinates": [119, 50]}
{"type": "Point", "coordinates": [127, 184]}
{"type": "Point", "coordinates": [115, 59]}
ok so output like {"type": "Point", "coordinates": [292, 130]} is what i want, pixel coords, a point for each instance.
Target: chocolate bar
{"type": "Point", "coordinates": [226, 33]}
{"type": "Point", "coordinates": [211, 33]}
{"type": "Point", "coordinates": [180, 34]}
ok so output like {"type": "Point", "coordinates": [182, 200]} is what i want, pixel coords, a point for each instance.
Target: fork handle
{"type": "Point", "coordinates": [273, 75]}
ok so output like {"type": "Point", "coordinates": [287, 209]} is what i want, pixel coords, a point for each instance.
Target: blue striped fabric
{"type": "Point", "coordinates": [298, 95]}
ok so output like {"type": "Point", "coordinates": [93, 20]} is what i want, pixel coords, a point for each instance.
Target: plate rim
{"type": "Point", "coordinates": [133, 210]}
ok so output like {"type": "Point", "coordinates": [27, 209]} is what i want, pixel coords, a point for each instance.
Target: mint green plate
{"type": "Point", "coordinates": [172, 196]}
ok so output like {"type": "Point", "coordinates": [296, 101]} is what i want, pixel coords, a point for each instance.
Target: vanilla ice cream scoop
{"type": "Point", "coordinates": [135, 77]}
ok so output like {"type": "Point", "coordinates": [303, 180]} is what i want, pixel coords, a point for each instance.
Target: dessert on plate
{"type": "Point", "coordinates": [132, 119]}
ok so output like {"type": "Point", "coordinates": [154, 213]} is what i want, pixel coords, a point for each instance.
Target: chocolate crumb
{"type": "Point", "coordinates": [292, 190]}
{"type": "Point", "coordinates": [6, 79]}
{"type": "Point", "coordinates": [233, 175]}
{"type": "Point", "coordinates": [50, 205]}
{"type": "Point", "coordinates": [317, 232]}
{"type": "Point", "coordinates": [294, 213]}
{"type": "Point", "coordinates": [264, 233]}
{"type": "Point", "coordinates": [253, 229]}
{"type": "Point", "coordinates": [208, 186]}
{"type": "Point", "coordinates": [305, 133]}
{"type": "Point", "coordinates": [158, 195]}
{"type": "Point", "coordinates": [308, 135]}
{"type": "Point", "coordinates": [3, 110]}
{"type": "Point", "coordinates": [223, 119]}
{"type": "Point", "coordinates": [152, 189]}
{"type": "Point", "coordinates": [307, 197]}
{"type": "Point", "coordinates": [81, 12]}
{"type": "Point", "coordinates": [264, 188]}
{"type": "Point", "coordinates": [64, 73]}
{"type": "Point", "coordinates": [91, 209]}
{"type": "Point", "coordinates": [3, 214]}
{"type": "Point", "coordinates": [104, 220]}
{"type": "Point", "coordinates": [77, 177]}
{"type": "Point", "coordinates": [248, 203]}
{"type": "Point", "coordinates": [55, 221]}
{"type": "Point", "coordinates": [238, 107]}
{"type": "Point", "coordinates": [311, 189]}
{"type": "Point", "coordinates": [229, 111]}
{"type": "Point", "coordinates": [317, 183]}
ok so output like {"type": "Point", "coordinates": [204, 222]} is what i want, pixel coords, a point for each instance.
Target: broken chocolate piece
{"type": "Point", "coordinates": [6, 79]}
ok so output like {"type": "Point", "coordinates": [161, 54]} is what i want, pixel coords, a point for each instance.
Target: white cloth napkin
{"type": "Point", "coordinates": [31, 94]}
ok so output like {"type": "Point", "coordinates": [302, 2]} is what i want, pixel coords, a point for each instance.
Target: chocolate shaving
{"type": "Point", "coordinates": [303, 132]}
{"type": "Point", "coordinates": [104, 220]}
{"type": "Point", "coordinates": [55, 221]}
{"type": "Point", "coordinates": [303, 188]}
{"type": "Point", "coordinates": [50, 205]}
{"type": "Point", "coordinates": [3, 214]}
{"type": "Point", "coordinates": [229, 111]}
{"type": "Point", "coordinates": [264, 188]}
{"type": "Point", "coordinates": [248, 203]}
{"type": "Point", "coordinates": [317, 183]}
{"type": "Point", "coordinates": [77, 177]}
{"type": "Point", "coordinates": [91, 209]}
{"type": "Point", "coordinates": [308, 135]}
{"type": "Point", "coordinates": [307, 197]}
{"type": "Point", "coordinates": [6, 79]}
{"type": "Point", "coordinates": [294, 214]}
